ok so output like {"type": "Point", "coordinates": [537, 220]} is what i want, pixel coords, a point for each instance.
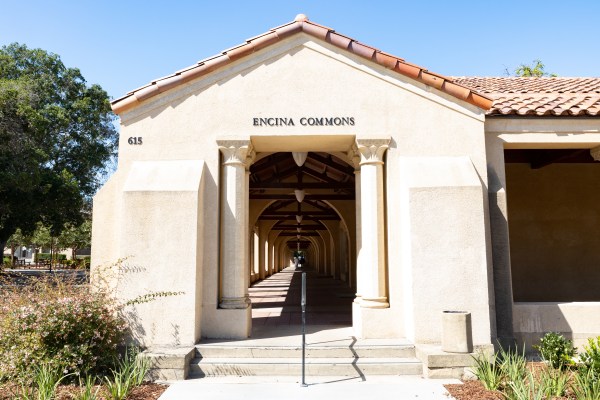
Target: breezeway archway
{"type": "Point", "coordinates": [303, 202]}
{"type": "Point", "coordinates": [261, 183]}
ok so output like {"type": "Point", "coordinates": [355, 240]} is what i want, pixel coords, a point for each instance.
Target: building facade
{"type": "Point", "coordinates": [423, 193]}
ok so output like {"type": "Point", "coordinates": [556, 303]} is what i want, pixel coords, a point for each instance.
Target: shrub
{"type": "Point", "coordinates": [88, 391]}
{"type": "Point", "coordinates": [60, 324]}
{"type": "Point", "coordinates": [557, 350]}
{"type": "Point", "coordinates": [513, 364]}
{"type": "Point", "coordinates": [130, 372]}
{"type": "Point", "coordinates": [46, 257]}
{"type": "Point", "coordinates": [587, 386]}
{"type": "Point", "coordinates": [591, 357]}
{"type": "Point", "coordinates": [488, 371]}
{"type": "Point", "coordinates": [554, 382]}
{"type": "Point", "coordinates": [525, 389]}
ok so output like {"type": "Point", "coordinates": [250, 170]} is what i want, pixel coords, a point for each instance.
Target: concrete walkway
{"type": "Point", "coordinates": [276, 319]}
{"type": "Point", "coordinates": [325, 388]}
{"type": "Point", "coordinates": [276, 300]}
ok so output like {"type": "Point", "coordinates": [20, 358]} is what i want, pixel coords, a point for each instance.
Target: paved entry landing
{"type": "Point", "coordinates": [275, 346]}
{"type": "Point", "coordinates": [276, 301]}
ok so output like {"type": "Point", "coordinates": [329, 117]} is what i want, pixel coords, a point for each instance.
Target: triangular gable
{"type": "Point", "coordinates": [301, 24]}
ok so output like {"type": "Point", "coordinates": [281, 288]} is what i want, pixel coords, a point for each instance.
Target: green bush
{"type": "Point", "coordinates": [586, 386]}
{"type": "Point", "coordinates": [83, 262]}
{"type": "Point", "coordinates": [557, 350]}
{"type": "Point", "coordinates": [553, 382]}
{"type": "Point", "coordinates": [130, 372]}
{"type": "Point", "coordinates": [513, 364]}
{"type": "Point", "coordinates": [591, 357]}
{"type": "Point", "coordinates": [46, 256]}
{"type": "Point", "coordinates": [525, 389]}
{"type": "Point", "coordinates": [60, 324]}
{"type": "Point", "coordinates": [488, 371]}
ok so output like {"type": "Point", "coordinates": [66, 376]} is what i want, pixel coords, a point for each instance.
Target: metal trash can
{"type": "Point", "coordinates": [456, 332]}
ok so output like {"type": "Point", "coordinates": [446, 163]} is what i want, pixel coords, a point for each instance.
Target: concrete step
{"type": "Point", "coordinates": [338, 366]}
{"type": "Point", "coordinates": [313, 351]}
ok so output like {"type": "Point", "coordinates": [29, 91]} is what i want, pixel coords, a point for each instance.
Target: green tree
{"type": "Point", "coordinates": [56, 135]}
{"type": "Point", "coordinates": [16, 239]}
{"type": "Point", "coordinates": [534, 70]}
{"type": "Point", "coordinates": [76, 237]}
{"type": "Point", "coordinates": [42, 237]}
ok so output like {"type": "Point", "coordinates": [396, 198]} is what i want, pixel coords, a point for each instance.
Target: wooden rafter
{"type": "Point", "coordinates": [262, 196]}
{"type": "Point", "coordinates": [328, 161]}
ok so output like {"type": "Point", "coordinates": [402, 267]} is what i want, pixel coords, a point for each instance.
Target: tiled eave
{"type": "Point", "coordinates": [539, 96]}
{"type": "Point", "coordinates": [301, 24]}
{"type": "Point", "coordinates": [554, 105]}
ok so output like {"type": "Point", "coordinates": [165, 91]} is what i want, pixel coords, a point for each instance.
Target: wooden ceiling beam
{"type": "Point", "coordinates": [303, 213]}
{"type": "Point", "coordinates": [268, 162]}
{"type": "Point", "coordinates": [279, 205]}
{"type": "Point", "coordinates": [315, 204]}
{"type": "Point", "coordinates": [319, 175]}
{"type": "Point", "coordinates": [293, 218]}
{"type": "Point", "coordinates": [305, 185]}
{"type": "Point", "coordinates": [324, 196]}
{"type": "Point", "coordinates": [312, 227]}
{"type": "Point", "coordinates": [295, 234]}
{"type": "Point", "coordinates": [345, 169]}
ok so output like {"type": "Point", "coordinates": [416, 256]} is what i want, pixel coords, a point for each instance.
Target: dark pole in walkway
{"type": "Point", "coordinates": [303, 304]}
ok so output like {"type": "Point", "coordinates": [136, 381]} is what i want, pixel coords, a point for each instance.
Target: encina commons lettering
{"type": "Point", "coordinates": [304, 121]}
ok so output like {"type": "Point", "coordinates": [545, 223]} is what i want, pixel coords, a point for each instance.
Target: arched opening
{"type": "Point", "coordinates": [302, 203]}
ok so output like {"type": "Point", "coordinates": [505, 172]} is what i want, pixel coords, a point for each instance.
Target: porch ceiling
{"type": "Point", "coordinates": [539, 158]}
{"type": "Point", "coordinates": [323, 177]}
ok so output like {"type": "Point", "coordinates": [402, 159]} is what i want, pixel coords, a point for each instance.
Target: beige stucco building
{"type": "Point", "coordinates": [423, 193]}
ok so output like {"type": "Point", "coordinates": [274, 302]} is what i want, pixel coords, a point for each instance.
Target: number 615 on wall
{"type": "Point", "coordinates": [135, 140]}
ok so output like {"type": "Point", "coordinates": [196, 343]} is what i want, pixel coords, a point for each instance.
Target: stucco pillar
{"type": "Point", "coordinates": [498, 216]}
{"type": "Point", "coordinates": [234, 224]}
{"type": "Point", "coordinates": [371, 260]}
{"type": "Point", "coordinates": [255, 254]}
{"type": "Point", "coordinates": [263, 251]}
{"type": "Point", "coordinates": [354, 159]}
{"type": "Point", "coordinates": [334, 261]}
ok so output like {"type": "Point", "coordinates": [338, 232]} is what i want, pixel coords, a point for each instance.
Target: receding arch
{"type": "Point", "coordinates": [326, 229]}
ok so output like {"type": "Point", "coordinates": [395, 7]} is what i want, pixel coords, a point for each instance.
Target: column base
{"type": "Point", "coordinates": [372, 323]}
{"type": "Point", "coordinates": [235, 303]}
{"type": "Point", "coordinates": [231, 324]}
{"type": "Point", "coordinates": [374, 302]}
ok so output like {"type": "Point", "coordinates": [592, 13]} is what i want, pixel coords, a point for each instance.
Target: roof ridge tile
{"type": "Point", "coordinates": [301, 23]}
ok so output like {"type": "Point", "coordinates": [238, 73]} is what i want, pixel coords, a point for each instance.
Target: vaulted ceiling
{"type": "Point", "coordinates": [323, 177]}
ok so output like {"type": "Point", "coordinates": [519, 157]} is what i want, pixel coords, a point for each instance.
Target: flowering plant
{"type": "Point", "coordinates": [59, 322]}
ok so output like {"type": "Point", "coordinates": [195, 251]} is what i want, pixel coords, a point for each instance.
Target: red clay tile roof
{"type": "Point", "coordinates": [543, 96]}
{"type": "Point", "coordinates": [301, 24]}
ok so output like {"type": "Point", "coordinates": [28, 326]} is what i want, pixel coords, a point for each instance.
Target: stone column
{"type": "Point", "coordinates": [234, 224]}
{"type": "Point", "coordinates": [263, 251]}
{"type": "Point", "coordinates": [250, 155]}
{"type": "Point", "coordinates": [354, 159]}
{"type": "Point", "coordinates": [371, 265]}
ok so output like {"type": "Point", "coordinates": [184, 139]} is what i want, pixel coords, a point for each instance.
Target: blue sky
{"type": "Point", "coordinates": [124, 44]}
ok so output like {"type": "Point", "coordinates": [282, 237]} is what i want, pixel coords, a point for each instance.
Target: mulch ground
{"type": "Point", "coordinates": [147, 391]}
{"type": "Point", "coordinates": [472, 390]}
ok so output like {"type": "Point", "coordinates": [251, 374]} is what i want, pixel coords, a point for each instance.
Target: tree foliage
{"type": "Point", "coordinates": [534, 70]}
{"type": "Point", "coordinates": [56, 135]}
{"type": "Point", "coordinates": [76, 237]}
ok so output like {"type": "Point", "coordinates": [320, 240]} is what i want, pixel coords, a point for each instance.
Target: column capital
{"type": "Point", "coordinates": [595, 153]}
{"type": "Point", "coordinates": [353, 157]}
{"type": "Point", "coordinates": [250, 157]}
{"type": "Point", "coordinates": [372, 150]}
{"type": "Point", "coordinates": [236, 152]}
